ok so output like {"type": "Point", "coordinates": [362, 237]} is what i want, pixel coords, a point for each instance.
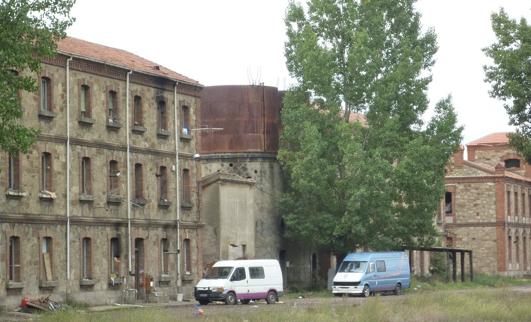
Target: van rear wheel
{"type": "Point", "coordinates": [398, 289]}
{"type": "Point", "coordinates": [245, 301]}
{"type": "Point", "coordinates": [271, 297]}
{"type": "Point", "coordinates": [230, 299]}
{"type": "Point", "coordinates": [203, 302]}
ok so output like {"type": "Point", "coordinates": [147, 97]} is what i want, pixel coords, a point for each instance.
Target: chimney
{"type": "Point", "coordinates": [458, 156]}
{"type": "Point", "coordinates": [471, 151]}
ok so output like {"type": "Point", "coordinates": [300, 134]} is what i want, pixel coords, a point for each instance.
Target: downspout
{"type": "Point", "coordinates": [177, 197]}
{"type": "Point", "coordinates": [68, 171]}
{"type": "Point", "coordinates": [128, 171]}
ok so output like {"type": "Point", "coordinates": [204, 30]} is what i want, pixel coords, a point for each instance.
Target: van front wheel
{"type": "Point", "coordinates": [271, 297]}
{"type": "Point", "coordinates": [366, 291]}
{"type": "Point", "coordinates": [230, 299]}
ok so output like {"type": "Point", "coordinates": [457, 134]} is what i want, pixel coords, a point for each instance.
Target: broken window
{"type": "Point", "coordinates": [115, 256]}
{"type": "Point", "coordinates": [86, 258]}
{"type": "Point", "coordinates": [186, 121]}
{"type": "Point", "coordinates": [84, 102]}
{"type": "Point", "coordinates": [512, 163]}
{"type": "Point", "coordinates": [161, 109]}
{"type": "Point", "coordinates": [164, 256]}
{"type": "Point", "coordinates": [14, 267]}
{"type": "Point", "coordinates": [14, 172]}
{"type": "Point", "coordinates": [47, 259]}
{"type": "Point", "coordinates": [112, 107]}
{"type": "Point", "coordinates": [86, 178]}
{"type": "Point", "coordinates": [448, 203]}
{"type": "Point", "coordinates": [187, 256]}
{"type": "Point", "coordinates": [187, 193]}
{"type": "Point", "coordinates": [137, 111]}
{"type": "Point", "coordinates": [46, 172]}
{"type": "Point", "coordinates": [114, 174]}
{"type": "Point", "coordinates": [46, 94]}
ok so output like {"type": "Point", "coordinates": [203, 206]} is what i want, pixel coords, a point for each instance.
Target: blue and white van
{"type": "Point", "coordinates": [367, 273]}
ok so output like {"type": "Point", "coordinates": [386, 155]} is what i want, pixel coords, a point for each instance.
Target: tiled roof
{"type": "Point", "coordinates": [498, 138]}
{"type": "Point", "coordinates": [117, 57]}
{"type": "Point", "coordinates": [491, 171]}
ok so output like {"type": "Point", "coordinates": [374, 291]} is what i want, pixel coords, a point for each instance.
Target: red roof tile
{"type": "Point", "coordinates": [121, 58]}
{"type": "Point", "coordinates": [498, 138]}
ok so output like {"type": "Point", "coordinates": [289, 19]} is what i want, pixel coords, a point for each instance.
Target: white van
{"type": "Point", "coordinates": [243, 280]}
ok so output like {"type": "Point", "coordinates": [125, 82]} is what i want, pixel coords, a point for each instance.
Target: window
{"type": "Point", "coordinates": [46, 172]}
{"type": "Point", "coordinates": [508, 203]}
{"type": "Point", "coordinates": [510, 249]}
{"type": "Point", "coordinates": [188, 257]}
{"type": "Point", "coordinates": [114, 175]}
{"type": "Point", "coordinates": [517, 249]}
{"type": "Point", "coordinates": [112, 107]}
{"type": "Point", "coordinates": [529, 204]}
{"type": "Point", "coordinates": [512, 163]}
{"type": "Point", "coordinates": [187, 193]}
{"type": "Point", "coordinates": [115, 256]}
{"type": "Point", "coordinates": [163, 183]}
{"type": "Point", "coordinates": [137, 111]}
{"type": "Point", "coordinates": [14, 267]}
{"type": "Point", "coordinates": [186, 121]}
{"type": "Point", "coordinates": [46, 95]}
{"type": "Point", "coordinates": [85, 102]}
{"type": "Point", "coordinates": [86, 178]}
{"type": "Point", "coordinates": [139, 181]}
{"type": "Point", "coordinates": [13, 172]}
{"type": "Point", "coordinates": [47, 259]}
{"type": "Point", "coordinates": [239, 274]}
{"type": "Point", "coordinates": [372, 268]}
{"type": "Point", "coordinates": [164, 256]}
{"type": "Point", "coordinates": [256, 272]}
{"type": "Point", "coordinates": [516, 212]}
{"type": "Point", "coordinates": [86, 259]}
{"type": "Point", "coordinates": [448, 203]}
{"type": "Point", "coordinates": [523, 204]}
{"type": "Point", "coordinates": [161, 109]}
{"type": "Point", "coordinates": [524, 244]}
{"type": "Point", "coordinates": [380, 266]}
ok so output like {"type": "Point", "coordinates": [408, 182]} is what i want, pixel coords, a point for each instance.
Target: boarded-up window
{"type": "Point", "coordinates": [14, 172]}
{"type": "Point", "coordinates": [164, 256]}
{"type": "Point", "coordinates": [14, 267]}
{"type": "Point", "coordinates": [46, 172]}
{"type": "Point", "coordinates": [112, 106]}
{"type": "Point", "coordinates": [139, 181]}
{"type": "Point", "coordinates": [187, 256]}
{"type": "Point", "coordinates": [163, 183]}
{"type": "Point", "coordinates": [115, 256]}
{"type": "Point", "coordinates": [86, 176]}
{"type": "Point", "coordinates": [85, 101]}
{"type": "Point", "coordinates": [186, 121]}
{"type": "Point", "coordinates": [46, 94]}
{"type": "Point", "coordinates": [161, 109]}
{"type": "Point", "coordinates": [187, 193]}
{"type": "Point", "coordinates": [47, 259]}
{"type": "Point", "coordinates": [114, 174]}
{"type": "Point", "coordinates": [137, 111]}
{"type": "Point", "coordinates": [86, 258]}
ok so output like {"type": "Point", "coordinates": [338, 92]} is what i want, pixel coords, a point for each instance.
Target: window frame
{"type": "Point", "coordinates": [162, 115]}
{"type": "Point", "coordinates": [85, 101]}
{"type": "Point", "coordinates": [46, 242]}
{"type": "Point", "coordinates": [14, 262]}
{"type": "Point", "coordinates": [187, 256]}
{"type": "Point", "coordinates": [379, 267]}
{"type": "Point", "coordinates": [187, 188]}
{"type": "Point", "coordinates": [139, 181]}
{"type": "Point", "coordinates": [45, 94]}
{"type": "Point", "coordinates": [86, 259]}
{"type": "Point", "coordinates": [256, 269]}
{"type": "Point", "coordinates": [115, 251]}
{"type": "Point", "coordinates": [85, 185]}
{"type": "Point", "coordinates": [164, 256]}
{"type": "Point", "coordinates": [46, 172]}
{"type": "Point", "coordinates": [13, 172]}
{"type": "Point", "coordinates": [114, 178]}
{"type": "Point", "coordinates": [138, 113]}
{"type": "Point", "coordinates": [112, 107]}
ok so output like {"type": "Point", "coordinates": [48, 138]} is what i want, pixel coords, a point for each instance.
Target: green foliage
{"type": "Point", "coordinates": [349, 184]}
{"type": "Point", "coordinates": [28, 33]}
{"type": "Point", "coordinates": [510, 75]}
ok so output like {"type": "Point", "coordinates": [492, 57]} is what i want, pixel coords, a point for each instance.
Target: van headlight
{"type": "Point", "coordinates": [218, 289]}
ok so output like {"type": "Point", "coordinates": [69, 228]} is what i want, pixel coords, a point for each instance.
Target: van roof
{"type": "Point", "coordinates": [365, 256]}
{"type": "Point", "coordinates": [240, 262]}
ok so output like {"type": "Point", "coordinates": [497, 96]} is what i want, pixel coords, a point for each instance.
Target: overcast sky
{"type": "Point", "coordinates": [221, 42]}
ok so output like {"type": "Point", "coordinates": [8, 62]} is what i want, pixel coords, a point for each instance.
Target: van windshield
{"type": "Point", "coordinates": [352, 267]}
{"type": "Point", "coordinates": [220, 272]}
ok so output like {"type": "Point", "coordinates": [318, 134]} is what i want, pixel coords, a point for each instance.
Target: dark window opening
{"type": "Point", "coordinates": [186, 121]}
{"type": "Point", "coordinates": [115, 256]}
{"type": "Point", "coordinates": [114, 174]}
{"type": "Point", "coordinates": [161, 109]}
{"type": "Point", "coordinates": [86, 180]}
{"type": "Point", "coordinates": [139, 181]}
{"type": "Point", "coordinates": [163, 183]}
{"type": "Point", "coordinates": [84, 102]}
{"type": "Point", "coordinates": [137, 111]}
{"type": "Point", "coordinates": [187, 193]}
{"type": "Point", "coordinates": [14, 172]}
{"type": "Point", "coordinates": [187, 256]}
{"type": "Point", "coordinates": [512, 163]}
{"type": "Point", "coordinates": [86, 258]}
{"type": "Point", "coordinates": [46, 94]}
{"type": "Point", "coordinates": [46, 172]}
{"type": "Point", "coordinates": [112, 107]}
{"type": "Point", "coordinates": [14, 266]}
{"type": "Point", "coordinates": [448, 203]}
{"type": "Point", "coordinates": [165, 255]}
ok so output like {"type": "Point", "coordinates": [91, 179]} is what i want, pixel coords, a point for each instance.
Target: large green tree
{"type": "Point", "coordinates": [375, 183]}
{"type": "Point", "coordinates": [29, 30]}
{"type": "Point", "coordinates": [510, 75]}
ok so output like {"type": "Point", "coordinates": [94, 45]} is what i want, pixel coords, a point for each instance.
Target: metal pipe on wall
{"type": "Point", "coordinates": [177, 197]}
{"type": "Point", "coordinates": [68, 168]}
{"type": "Point", "coordinates": [128, 171]}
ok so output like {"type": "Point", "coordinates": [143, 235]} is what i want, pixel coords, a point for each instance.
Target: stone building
{"type": "Point", "coordinates": [107, 196]}
{"type": "Point", "coordinates": [487, 206]}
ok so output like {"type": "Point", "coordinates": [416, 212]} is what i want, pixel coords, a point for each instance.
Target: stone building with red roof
{"type": "Point", "coordinates": [487, 206]}
{"type": "Point", "coordinates": [106, 199]}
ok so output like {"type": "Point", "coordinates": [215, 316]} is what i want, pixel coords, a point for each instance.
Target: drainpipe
{"type": "Point", "coordinates": [177, 197]}
{"type": "Point", "coordinates": [68, 170]}
{"type": "Point", "coordinates": [128, 171]}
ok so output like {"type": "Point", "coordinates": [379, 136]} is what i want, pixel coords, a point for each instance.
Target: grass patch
{"type": "Point", "coordinates": [437, 283]}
